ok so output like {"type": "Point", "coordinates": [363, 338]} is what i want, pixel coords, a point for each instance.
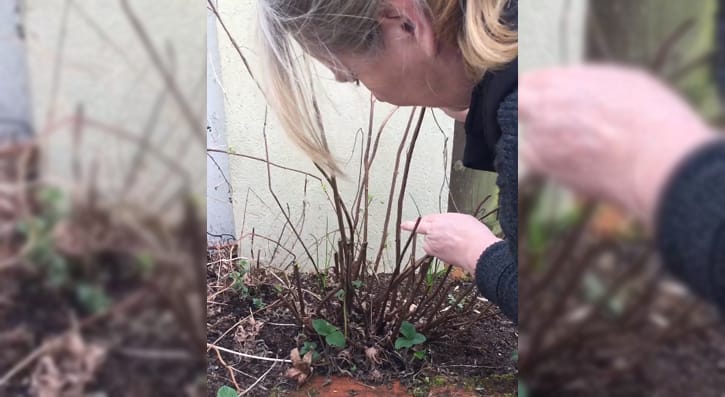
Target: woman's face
{"type": "Point", "coordinates": [411, 68]}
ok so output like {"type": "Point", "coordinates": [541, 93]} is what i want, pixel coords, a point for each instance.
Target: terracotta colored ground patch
{"type": "Point", "coordinates": [321, 386]}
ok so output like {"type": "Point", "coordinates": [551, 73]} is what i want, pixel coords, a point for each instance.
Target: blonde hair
{"type": "Point", "coordinates": [326, 27]}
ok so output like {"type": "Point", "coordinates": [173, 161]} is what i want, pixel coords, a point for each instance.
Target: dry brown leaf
{"type": "Point", "coordinates": [67, 367]}
{"type": "Point", "coordinates": [376, 375]}
{"type": "Point", "coordinates": [248, 330]}
{"type": "Point", "coordinates": [301, 366]}
{"type": "Point", "coordinates": [372, 354]}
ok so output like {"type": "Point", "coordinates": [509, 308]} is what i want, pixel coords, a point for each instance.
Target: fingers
{"type": "Point", "coordinates": [423, 227]}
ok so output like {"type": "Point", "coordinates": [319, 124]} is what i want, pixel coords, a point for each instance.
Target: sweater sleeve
{"type": "Point", "coordinates": [690, 228]}
{"type": "Point", "coordinates": [497, 271]}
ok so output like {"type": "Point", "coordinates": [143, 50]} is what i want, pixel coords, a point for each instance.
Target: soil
{"type": "Point", "coordinates": [136, 339]}
{"type": "Point", "coordinates": [653, 337]}
{"type": "Point", "coordinates": [690, 365]}
{"type": "Point", "coordinates": [476, 361]}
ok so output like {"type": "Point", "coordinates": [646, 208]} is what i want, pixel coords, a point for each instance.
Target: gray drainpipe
{"type": "Point", "coordinates": [15, 112]}
{"type": "Point", "coordinates": [219, 210]}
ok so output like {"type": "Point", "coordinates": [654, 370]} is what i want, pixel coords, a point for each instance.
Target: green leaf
{"type": "Point", "coordinates": [310, 347]}
{"type": "Point", "coordinates": [307, 346]}
{"type": "Point", "coordinates": [418, 339]}
{"type": "Point", "coordinates": [401, 343]}
{"type": "Point", "coordinates": [420, 354]}
{"type": "Point", "coordinates": [323, 327]}
{"type": "Point", "coordinates": [92, 297]}
{"type": "Point", "coordinates": [357, 284]}
{"type": "Point", "coordinates": [407, 329]}
{"type": "Point", "coordinates": [258, 303]}
{"type": "Point", "coordinates": [410, 336]}
{"type": "Point", "coordinates": [336, 339]}
{"type": "Point", "coordinates": [226, 391]}
{"type": "Point", "coordinates": [145, 263]}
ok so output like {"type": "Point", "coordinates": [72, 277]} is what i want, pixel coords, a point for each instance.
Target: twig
{"type": "Point", "coordinates": [228, 367]}
{"type": "Point", "coordinates": [278, 360]}
{"type": "Point", "coordinates": [186, 112]}
{"type": "Point", "coordinates": [389, 208]}
{"type": "Point", "coordinates": [39, 351]}
{"type": "Point", "coordinates": [234, 43]}
{"type": "Point", "coordinates": [153, 354]}
{"type": "Point", "coordinates": [298, 283]}
{"type": "Point", "coordinates": [258, 380]}
{"type": "Point", "coordinates": [663, 52]}
{"type": "Point", "coordinates": [225, 333]}
{"type": "Point", "coordinates": [246, 156]}
{"type": "Point", "coordinates": [276, 199]}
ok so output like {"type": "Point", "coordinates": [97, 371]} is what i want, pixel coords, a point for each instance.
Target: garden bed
{"type": "Point", "coordinates": [478, 360]}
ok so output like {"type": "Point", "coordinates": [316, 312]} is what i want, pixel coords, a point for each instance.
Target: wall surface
{"type": "Point", "coordinates": [545, 44]}
{"type": "Point", "coordinates": [551, 32]}
{"type": "Point", "coordinates": [139, 140]}
{"type": "Point", "coordinates": [346, 111]}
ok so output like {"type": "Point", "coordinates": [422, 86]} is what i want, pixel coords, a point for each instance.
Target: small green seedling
{"type": "Point", "coordinates": [323, 280]}
{"type": "Point", "coordinates": [257, 303]}
{"type": "Point", "coordinates": [357, 284]}
{"type": "Point", "coordinates": [332, 334]}
{"type": "Point", "coordinates": [93, 298]}
{"type": "Point", "coordinates": [278, 288]}
{"type": "Point", "coordinates": [420, 354]}
{"type": "Point", "coordinates": [595, 292]}
{"type": "Point", "coordinates": [237, 277]}
{"type": "Point", "coordinates": [452, 301]}
{"type": "Point", "coordinates": [226, 391]}
{"type": "Point", "coordinates": [146, 264]}
{"type": "Point", "coordinates": [310, 347]}
{"type": "Point", "coordinates": [238, 283]}
{"type": "Point", "coordinates": [410, 337]}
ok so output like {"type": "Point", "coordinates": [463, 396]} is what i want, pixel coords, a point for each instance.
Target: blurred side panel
{"type": "Point", "coordinates": [600, 316]}
{"type": "Point", "coordinates": [101, 281]}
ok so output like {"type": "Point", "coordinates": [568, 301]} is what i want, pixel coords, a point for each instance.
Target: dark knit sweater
{"type": "Point", "coordinates": [491, 144]}
{"type": "Point", "coordinates": [691, 223]}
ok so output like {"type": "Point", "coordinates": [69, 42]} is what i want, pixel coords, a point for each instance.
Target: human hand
{"type": "Point", "coordinates": [456, 239]}
{"type": "Point", "coordinates": [607, 132]}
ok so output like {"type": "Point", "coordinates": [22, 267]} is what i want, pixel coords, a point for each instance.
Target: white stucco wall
{"type": "Point", "coordinates": [551, 33]}
{"type": "Point", "coordinates": [345, 112]}
{"type": "Point", "coordinates": [86, 53]}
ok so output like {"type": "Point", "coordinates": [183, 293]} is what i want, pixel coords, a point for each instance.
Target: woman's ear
{"type": "Point", "coordinates": [408, 19]}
